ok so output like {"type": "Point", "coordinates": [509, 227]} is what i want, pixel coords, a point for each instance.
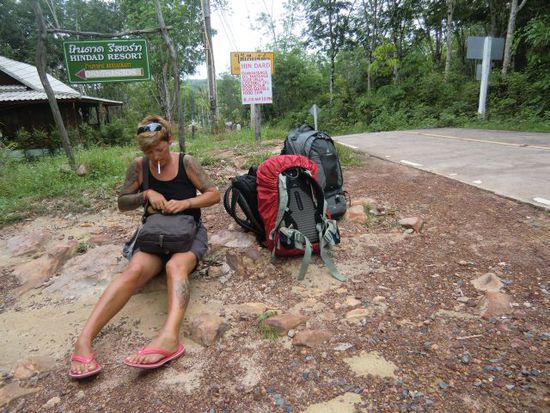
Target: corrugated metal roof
{"type": "Point", "coordinates": [32, 95]}
{"type": "Point", "coordinates": [28, 75]}
{"type": "Point", "coordinates": [12, 88]}
{"type": "Point", "coordinates": [33, 89]}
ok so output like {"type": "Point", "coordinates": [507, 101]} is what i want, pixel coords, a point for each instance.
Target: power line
{"type": "Point", "coordinates": [227, 30]}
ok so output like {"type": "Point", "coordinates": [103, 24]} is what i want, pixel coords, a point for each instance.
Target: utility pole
{"type": "Point", "coordinates": [211, 71]}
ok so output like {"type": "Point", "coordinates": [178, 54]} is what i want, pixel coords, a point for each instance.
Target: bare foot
{"type": "Point", "coordinates": [165, 343]}
{"type": "Point", "coordinates": [83, 350]}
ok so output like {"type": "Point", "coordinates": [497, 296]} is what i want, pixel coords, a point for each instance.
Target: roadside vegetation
{"type": "Point", "coordinates": [370, 66]}
{"type": "Point", "coordinates": [46, 185]}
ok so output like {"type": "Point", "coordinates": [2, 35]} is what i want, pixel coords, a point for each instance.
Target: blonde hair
{"type": "Point", "coordinates": [147, 139]}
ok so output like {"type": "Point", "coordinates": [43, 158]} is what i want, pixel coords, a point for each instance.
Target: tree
{"type": "Point", "coordinates": [176, 73]}
{"type": "Point", "coordinates": [369, 32]}
{"type": "Point", "coordinates": [327, 26]}
{"type": "Point", "coordinates": [450, 10]}
{"type": "Point", "coordinates": [186, 33]}
{"type": "Point", "coordinates": [401, 15]}
{"type": "Point", "coordinates": [41, 68]}
{"type": "Point", "coordinates": [514, 10]}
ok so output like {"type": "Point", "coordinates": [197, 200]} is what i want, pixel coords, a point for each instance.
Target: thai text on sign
{"type": "Point", "coordinates": [256, 82]}
{"type": "Point", "coordinates": [114, 60]}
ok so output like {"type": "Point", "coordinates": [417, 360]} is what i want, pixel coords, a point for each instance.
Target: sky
{"type": "Point", "coordinates": [234, 32]}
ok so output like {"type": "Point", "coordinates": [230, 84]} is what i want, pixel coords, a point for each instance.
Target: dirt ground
{"type": "Point", "coordinates": [420, 344]}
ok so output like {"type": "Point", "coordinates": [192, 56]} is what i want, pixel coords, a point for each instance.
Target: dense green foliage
{"type": "Point", "coordinates": [370, 65]}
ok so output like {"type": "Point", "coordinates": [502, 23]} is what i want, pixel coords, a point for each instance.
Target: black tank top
{"type": "Point", "coordinates": [178, 188]}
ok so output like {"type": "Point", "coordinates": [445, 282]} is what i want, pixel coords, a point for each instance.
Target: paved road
{"type": "Point", "coordinates": [512, 164]}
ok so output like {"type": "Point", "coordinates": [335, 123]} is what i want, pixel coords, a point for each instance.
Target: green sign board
{"type": "Point", "coordinates": [102, 61]}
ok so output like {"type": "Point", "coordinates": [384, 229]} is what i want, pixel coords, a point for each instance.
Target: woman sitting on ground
{"type": "Point", "coordinates": [173, 183]}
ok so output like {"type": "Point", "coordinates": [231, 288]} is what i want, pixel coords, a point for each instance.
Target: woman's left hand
{"type": "Point", "coordinates": [173, 206]}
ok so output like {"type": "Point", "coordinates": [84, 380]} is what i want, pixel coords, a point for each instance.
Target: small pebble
{"type": "Point", "coordinates": [443, 385]}
{"type": "Point", "coordinates": [488, 369]}
{"type": "Point", "coordinates": [510, 386]}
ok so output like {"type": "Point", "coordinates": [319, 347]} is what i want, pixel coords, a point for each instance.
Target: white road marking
{"type": "Point", "coordinates": [517, 145]}
{"type": "Point", "coordinates": [348, 145]}
{"type": "Point", "coordinates": [410, 163]}
{"type": "Point", "coordinates": [477, 182]}
{"type": "Point", "coordinates": [541, 200]}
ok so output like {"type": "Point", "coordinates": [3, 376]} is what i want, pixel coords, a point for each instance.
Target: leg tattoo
{"type": "Point", "coordinates": [182, 293]}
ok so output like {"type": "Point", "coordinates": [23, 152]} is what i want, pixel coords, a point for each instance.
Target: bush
{"type": "Point", "coordinates": [5, 158]}
{"type": "Point", "coordinates": [115, 133]}
{"type": "Point", "coordinates": [23, 139]}
{"type": "Point", "coordinates": [388, 120]}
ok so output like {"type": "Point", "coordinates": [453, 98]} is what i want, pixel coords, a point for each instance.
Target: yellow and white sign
{"type": "Point", "coordinates": [237, 57]}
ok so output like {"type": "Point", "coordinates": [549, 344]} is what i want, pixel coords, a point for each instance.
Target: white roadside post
{"type": "Point", "coordinates": [486, 49]}
{"type": "Point", "coordinates": [314, 110]}
{"type": "Point", "coordinates": [485, 71]}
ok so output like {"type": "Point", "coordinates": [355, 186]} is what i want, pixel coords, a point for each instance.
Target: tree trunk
{"type": "Point", "coordinates": [164, 93]}
{"type": "Point", "coordinates": [176, 74]}
{"type": "Point", "coordinates": [450, 10]}
{"type": "Point", "coordinates": [369, 79]}
{"type": "Point", "coordinates": [331, 79]}
{"type": "Point", "coordinates": [41, 68]}
{"type": "Point", "coordinates": [514, 9]}
{"type": "Point", "coordinates": [211, 75]}
{"type": "Point", "coordinates": [493, 14]}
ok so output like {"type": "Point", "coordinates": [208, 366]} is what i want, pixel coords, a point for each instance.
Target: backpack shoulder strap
{"type": "Point", "coordinates": [145, 172]}
{"type": "Point", "coordinates": [145, 182]}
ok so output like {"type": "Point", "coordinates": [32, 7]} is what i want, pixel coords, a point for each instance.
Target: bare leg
{"type": "Point", "coordinates": [140, 270]}
{"type": "Point", "coordinates": [177, 279]}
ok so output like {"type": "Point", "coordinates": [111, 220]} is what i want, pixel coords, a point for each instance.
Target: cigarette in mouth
{"type": "Point", "coordinates": [158, 167]}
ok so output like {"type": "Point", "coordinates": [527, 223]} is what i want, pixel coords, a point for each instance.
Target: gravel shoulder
{"type": "Point", "coordinates": [422, 338]}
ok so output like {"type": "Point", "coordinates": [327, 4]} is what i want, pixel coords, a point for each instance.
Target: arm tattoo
{"type": "Point", "coordinates": [182, 293]}
{"type": "Point", "coordinates": [129, 198]}
{"type": "Point", "coordinates": [196, 170]}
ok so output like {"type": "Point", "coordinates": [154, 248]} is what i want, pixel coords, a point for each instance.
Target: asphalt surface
{"type": "Point", "coordinates": [512, 164]}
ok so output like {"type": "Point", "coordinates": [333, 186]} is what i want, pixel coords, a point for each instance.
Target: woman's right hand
{"type": "Point", "coordinates": [155, 199]}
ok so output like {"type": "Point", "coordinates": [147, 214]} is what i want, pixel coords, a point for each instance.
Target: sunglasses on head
{"type": "Point", "coordinates": [151, 127]}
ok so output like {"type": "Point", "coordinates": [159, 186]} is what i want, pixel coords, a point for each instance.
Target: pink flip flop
{"type": "Point", "coordinates": [84, 360]}
{"type": "Point", "coordinates": [168, 355]}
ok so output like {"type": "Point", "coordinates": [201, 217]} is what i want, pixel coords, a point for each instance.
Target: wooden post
{"type": "Point", "coordinates": [258, 122]}
{"type": "Point", "coordinates": [211, 70]}
{"type": "Point", "coordinates": [41, 68]}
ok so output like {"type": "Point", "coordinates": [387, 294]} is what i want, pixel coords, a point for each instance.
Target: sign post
{"type": "Point", "coordinates": [487, 49]}
{"type": "Point", "coordinates": [256, 89]}
{"type": "Point", "coordinates": [103, 61]}
{"type": "Point", "coordinates": [314, 110]}
{"type": "Point", "coordinates": [485, 70]}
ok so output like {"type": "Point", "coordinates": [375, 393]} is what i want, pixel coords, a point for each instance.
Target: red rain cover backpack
{"type": "Point", "coordinates": [292, 207]}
